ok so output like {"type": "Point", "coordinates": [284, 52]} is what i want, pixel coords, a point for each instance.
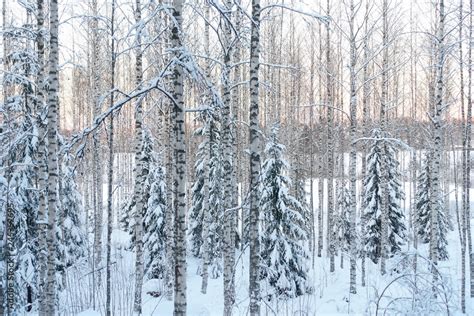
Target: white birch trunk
{"type": "Point", "coordinates": [469, 149]}
{"type": "Point", "coordinates": [180, 167]}
{"type": "Point", "coordinates": [254, 144]}
{"type": "Point", "coordinates": [365, 118]}
{"type": "Point", "coordinates": [96, 159]}
{"type": "Point", "coordinates": [228, 216]}
{"type": "Point", "coordinates": [205, 202]}
{"type": "Point", "coordinates": [42, 163]}
{"type": "Point", "coordinates": [437, 140]}
{"type": "Point", "coordinates": [353, 151]}
{"type": "Point", "coordinates": [320, 156]}
{"type": "Point", "coordinates": [330, 152]}
{"type": "Point", "coordinates": [383, 117]}
{"type": "Point", "coordinates": [53, 181]}
{"type": "Point", "coordinates": [140, 175]}
{"type": "Point", "coordinates": [465, 183]}
{"type": "Point", "coordinates": [110, 175]}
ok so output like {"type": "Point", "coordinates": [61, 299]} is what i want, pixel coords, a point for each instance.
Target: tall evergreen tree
{"type": "Point", "coordinates": [198, 196]}
{"type": "Point", "coordinates": [209, 171]}
{"type": "Point", "coordinates": [72, 230]}
{"type": "Point", "coordinates": [382, 151]}
{"type": "Point", "coordinates": [284, 254]}
{"type": "Point", "coordinates": [342, 223]}
{"type": "Point", "coordinates": [154, 222]}
{"type": "Point", "coordinates": [153, 226]}
{"type": "Point", "coordinates": [424, 208]}
{"type": "Point", "coordinates": [300, 195]}
{"type": "Point", "coordinates": [19, 146]}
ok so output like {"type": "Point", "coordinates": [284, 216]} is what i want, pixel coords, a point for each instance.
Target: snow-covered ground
{"type": "Point", "coordinates": [392, 293]}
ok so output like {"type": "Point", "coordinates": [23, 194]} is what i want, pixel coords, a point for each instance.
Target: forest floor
{"type": "Point", "coordinates": [400, 292]}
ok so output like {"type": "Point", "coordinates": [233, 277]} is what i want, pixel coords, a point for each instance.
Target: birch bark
{"type": "Point", "coordinates": [53, 181]}
{"type": "Point", "coordinates": [180, 165]}
{"type": "Point", "coordinates": [254, 144]}
{"type": "Point", "coordinates": [140, 170]}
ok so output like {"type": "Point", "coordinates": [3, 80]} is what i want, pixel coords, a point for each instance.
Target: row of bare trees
{"type": "Point", "coordinates": [328, 72]}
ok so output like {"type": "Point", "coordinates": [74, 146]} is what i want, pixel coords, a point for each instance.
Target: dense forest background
{"type": "Point", "coordinates": [278, 156]}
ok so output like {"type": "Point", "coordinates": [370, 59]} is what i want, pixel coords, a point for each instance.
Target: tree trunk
{"type": "Point", "coordinates": [437, 140]}
{"type": "Point", "coordinates": [254, 142]}
{"type": "Point", "coordinates": [383, 117]}
{"type": "Point", "coordinates": [53, 181]}
{"type": "Point", "coordinates": [353, 153]}
{"type": "Point", "coordinates": [205, 201]}
{"type": "Point", "coordinates": [330, 152]}
{"type": "Point", "coordinates": [180, 166]}
{"type": "Point", "coordinates": [140, 175]}
{"type": "Point", "coordinates": [320, 155]}
{"type": "Point", "coordinates": [469, 149]}
{"type": "Point", "coordinates": [42, 161]}
{"type": "Point", "coordinates": [465, 183]}
{"type": "Point", "coordinates": [110, 175]}
{"type": "Point", "coordinates": [228, 216]}
{"type": "Point", "coordinates": [365, 118]}
{"type": "Point", "coordinates": [96, 160]}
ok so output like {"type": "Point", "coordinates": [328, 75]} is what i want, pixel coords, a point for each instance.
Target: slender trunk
{"type": "Point", "coordinates": [140, 170]}
{"type": "Point", "coordinates": [180, 166]}
{"type": "Point", "coordinates": [311, 153]}
{"type": "Point", "coordinates": [383, 118]}
{"type": "Point", "coordinates": [42, 163]}
{"type": "Point", "coordinates": [228, 216]}
{"type": "Point", "coordinates": [437, 140]}
{"type": "Point", "coordinates": [465, 187]}
{"type": "Point", "coordinates": [169, 214]}
{"type": "Point", "coordinates": [96, 159]}
{"type": "Point", "coordinates": [321, 155]}
{"type": "Point", "coordinates": [110, 174]}
{"type": "Point", "coordinates": [205, 202]}
{"type": "Point", "coordinates": [469, 148]}
{"type": "Point", "coordinates": [254, 141]}
{"type": "Point", "coordinates": [353, 153]}
{"type": "Point", "coordinates": [53, 181]}
{"type": "Point", "coordinates": [330, 152]}
{"type": "Point", "coordinates": [365, 119]}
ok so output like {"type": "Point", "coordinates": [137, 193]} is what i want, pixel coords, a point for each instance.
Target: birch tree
{"type": "Point", "coordinates": [179, 202]}
{"type": "Point", "coordinates": [353, 150]}
{"type": "Point", "coordinates": [437, 135]}
{"type": "Point", "coordinates": [140, 167]}
{"type": "Point", "coordinates": [96, 159]}
{"type": "Point", "coordinates": [254, 144]}
{"type": "Point", "coordinates": [42, 156]}
{"type": "Point", "coordinates": [52, 129]}
{"type": "Point", "coordinates": [110, 173]}
{"type": "Point", "coordinates": [228, 165]}
{"type": "Point", "coordinates": [330, 146]}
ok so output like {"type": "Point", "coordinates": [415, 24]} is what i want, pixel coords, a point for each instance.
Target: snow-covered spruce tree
{"type": "Point", "coordinates": [19, 200]}
{"type": "Point", "coordinates": [342, 223]}
{"type": "Point", "coordinates": [154, 194]}
{"type": "Point", "coordinates": [73, 235]}
{"type": "Point", "coordinates": [154, 221]}
{"type": "Point", "coordinates": [373, 199]}
{"type": "Point", "coordinates": [19, 145]}
{"type": "Point", "coordinates": [207, 195]}
{"type": "Point", "coordinates": [216, 206]}
{"type": "Point", "coordinates": [396, 226]}
{"type": "Point", "coordinates": [127, 215]}
{"type": "Point", "coordinates": [423, 210]}
{"type": "Point", "coordinates": [300, 195]}
{"type": "Point", "coordinates": [200, 191]}
{"type": "Point", "coordinates": [283, 250]}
